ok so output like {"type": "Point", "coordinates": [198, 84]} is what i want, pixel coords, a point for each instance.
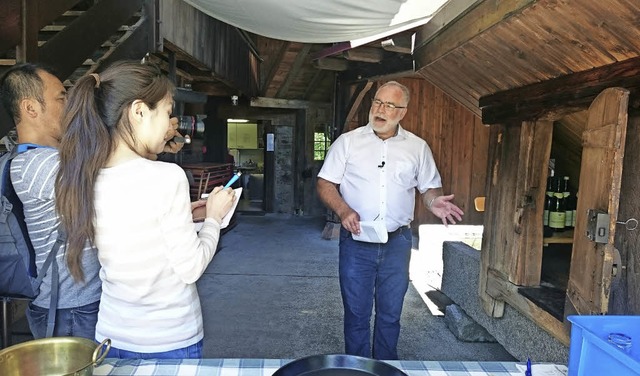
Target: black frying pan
{"type": "Point", "coordinates": [337, 365]}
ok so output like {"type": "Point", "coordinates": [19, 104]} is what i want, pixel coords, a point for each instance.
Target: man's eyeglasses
{"type": "Point", "coordinates": [387, 105]}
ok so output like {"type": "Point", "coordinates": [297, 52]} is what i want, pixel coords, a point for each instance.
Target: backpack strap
{"type": "Point", "coordinates": [21, 148]}
{"type": "Point", "coordinates": [55, 280]}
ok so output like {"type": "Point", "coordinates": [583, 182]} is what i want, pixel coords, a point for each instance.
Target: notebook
{"type": "Point", "coordinates": [227, 218]}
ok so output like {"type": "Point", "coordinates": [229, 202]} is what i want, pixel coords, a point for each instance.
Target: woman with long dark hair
{"type": "Point", "coordinates": [137, 213]}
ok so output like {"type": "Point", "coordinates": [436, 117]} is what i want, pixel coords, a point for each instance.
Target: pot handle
{"type": "Point", "coordinates": [98, 357]}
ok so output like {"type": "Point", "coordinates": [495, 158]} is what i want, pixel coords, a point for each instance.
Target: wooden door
{"type": "Point", "coordinates": [600, 176]}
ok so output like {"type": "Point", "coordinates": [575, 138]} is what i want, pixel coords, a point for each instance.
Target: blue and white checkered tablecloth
{"type": "Point", "coordinates": [266, 367]}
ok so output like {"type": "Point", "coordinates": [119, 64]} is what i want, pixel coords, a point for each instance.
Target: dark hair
{"type": "Point", "coordinates": [19, 82]}
{"type": "Point", "coordinates": [95, 116]}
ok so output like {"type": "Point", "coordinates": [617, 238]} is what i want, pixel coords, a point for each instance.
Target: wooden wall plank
{"type": "Point", "coordinates": [526, 255]}
{"type": "Point", "coordinates": [462, 154]}
{"type": "Point", "coordinates": [479, 167]}
{"type": "Point", "coordinates": [492, 306]}
{"type": "Point", "coordinates": [217, 45]}
{"type": "Point", "coordinates": [601, 170]}
{"type": "Point", "coordinates": [624, 298]}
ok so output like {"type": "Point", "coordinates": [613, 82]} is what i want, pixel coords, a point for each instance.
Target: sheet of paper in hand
{"type": "Point", "coordinates": [227, 218]}
{"type": "Point", "coordinates": [372, 232]}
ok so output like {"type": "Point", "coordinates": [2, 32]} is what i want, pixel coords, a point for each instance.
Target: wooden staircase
{"type": "Point", "coordinates": [82, 39]}
{"type": "Point", "coordinates": [74, 37]}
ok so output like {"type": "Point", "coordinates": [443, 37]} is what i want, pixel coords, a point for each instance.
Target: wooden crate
{"type": "Point", "coordinates": [206, 176]}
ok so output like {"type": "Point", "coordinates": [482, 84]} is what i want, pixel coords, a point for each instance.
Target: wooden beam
{"type": "Point", "coordinates": [285, 103]}
{"type": "Point", "coordinates": [173, 67]}
{"type": "Point", "coordinates": [317, 78]}
{"type": "Point", "coordinates": [442, 35]}
{"type": "Point", "coordinates": [355, 102]}
{"type": "Point", "coordinates": [27, 50]}
{"type": "Point", "coordinates": [274, 67]}
{"type": "Point", "coordinates": [330, 51]}
{"type": "Point", "coordinates": [365, 54]}
{"type": "Point", "coordinates": [189, 96]}
{"type": "Point", "coordinates": [395, 66]}
{"type": "Point", "coordinates": [294, 70]}
{"type": "Point", "coordinates": [501, 289]}
{"type": "Point", "coordinates": [184, 55]}
{"type": "Point", "coordinates": [332, 64]}
{"type": "Point", "coordinates": [399, 44]}
{"type": "Point", "coordinates": [165, 66]}
{"type": "Point", "coordinates": [216, 89]}
{"type": "Point", "coordinates": [576, 90]}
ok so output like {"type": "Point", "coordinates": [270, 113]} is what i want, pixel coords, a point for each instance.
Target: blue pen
{"type": "Point", "coordinates": [528, 371]}
{"type": "Point", "coordinates": [234, 178]}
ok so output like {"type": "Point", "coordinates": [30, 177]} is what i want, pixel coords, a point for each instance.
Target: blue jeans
{"type": "Point", "coordinates": [374, 272]}
{"type": "Point", "coordinates": [74, 322]}
{"type": "Point", "coordinates": [190, 352]}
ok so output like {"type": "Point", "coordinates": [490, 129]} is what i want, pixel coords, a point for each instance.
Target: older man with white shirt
{"type": "Point", "coordinates": [370, 174]}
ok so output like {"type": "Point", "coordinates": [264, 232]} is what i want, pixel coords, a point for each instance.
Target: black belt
{"type": "Point", "coordinates": [398, 231]}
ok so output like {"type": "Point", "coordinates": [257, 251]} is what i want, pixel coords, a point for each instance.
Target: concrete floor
{"type": "Point", "coordinates": [272, 291]}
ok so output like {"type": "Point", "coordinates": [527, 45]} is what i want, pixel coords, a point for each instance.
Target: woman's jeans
{"type": "Point", "coordinates": [190, 352]}
{"type": "Point", "coordinates": [73, 322]}
{"type": "Point", "coordinates": [372, 272]}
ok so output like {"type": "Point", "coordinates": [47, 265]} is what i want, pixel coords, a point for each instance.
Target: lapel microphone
{"type": "Point", "coordinates": [381, 165]}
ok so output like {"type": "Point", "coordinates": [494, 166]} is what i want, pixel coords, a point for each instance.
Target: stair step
{"type": "Point", "coordinates": [58, 28]}
{"type": "Point", "coordinates": [73, 13]}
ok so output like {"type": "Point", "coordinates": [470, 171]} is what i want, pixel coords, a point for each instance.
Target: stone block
{"type": "Point", "coordinates": [464, 327]}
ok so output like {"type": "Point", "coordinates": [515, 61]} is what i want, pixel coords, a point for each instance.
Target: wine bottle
{"type": "Point", "coordinates": [568, 219]}
{"type": "Point", "coordinates": [547, 231]}
{"type": "Point", "coordinates": [557, 212]}
{"type": "Point", "coordinates": [575, 206]}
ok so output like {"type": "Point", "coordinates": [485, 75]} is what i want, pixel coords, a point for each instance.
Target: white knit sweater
{"type": "Point", "coordinates": [151, 257]}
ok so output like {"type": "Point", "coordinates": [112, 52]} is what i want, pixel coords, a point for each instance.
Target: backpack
{"type": "Point", "coordinates": [18, 274]}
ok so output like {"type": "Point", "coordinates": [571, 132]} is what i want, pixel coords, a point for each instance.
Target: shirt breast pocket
{"type": "Point", "coordinates": [405, 174]}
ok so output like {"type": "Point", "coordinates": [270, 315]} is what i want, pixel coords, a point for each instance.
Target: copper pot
{"type": "Point", "coordinates": [53, 356]}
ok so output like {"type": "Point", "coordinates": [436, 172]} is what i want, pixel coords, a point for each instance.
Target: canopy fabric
{"type": "Point", "coordinates": [321, 21]}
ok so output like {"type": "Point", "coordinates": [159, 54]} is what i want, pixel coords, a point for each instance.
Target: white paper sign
{"type": "Point", "coordinates": [270, 142]}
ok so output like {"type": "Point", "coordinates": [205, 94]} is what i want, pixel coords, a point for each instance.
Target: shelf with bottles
{"type": "Point", "coordinates": [564, 237]}
{"type": "Point", "coordinates": [559, 209]}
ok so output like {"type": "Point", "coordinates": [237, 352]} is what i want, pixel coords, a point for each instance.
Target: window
{"type": "Point", "coordinates": [320, 146]}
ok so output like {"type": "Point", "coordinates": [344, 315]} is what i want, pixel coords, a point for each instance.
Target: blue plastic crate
{"type": "Point", "coordinates": [591, 354]}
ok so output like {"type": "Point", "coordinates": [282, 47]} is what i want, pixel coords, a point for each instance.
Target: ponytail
{"type": "Point", "coordinates": [95, 117]}
{"type": "Point", "coordinates": [84, 150]}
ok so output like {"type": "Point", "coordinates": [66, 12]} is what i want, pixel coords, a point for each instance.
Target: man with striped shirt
{"type": "Point", "coordinates": [34, 97]}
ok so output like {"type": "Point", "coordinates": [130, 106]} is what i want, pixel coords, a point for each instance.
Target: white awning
{"type": "Point", "coordinates": [322, 21]}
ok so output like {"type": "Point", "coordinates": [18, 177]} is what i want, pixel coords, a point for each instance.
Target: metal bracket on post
{"type": "Point", "coordinates": [598, 226]}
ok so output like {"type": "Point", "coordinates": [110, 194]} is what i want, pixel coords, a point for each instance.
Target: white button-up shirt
{"type": "Point", "coordinates": [378, 177]}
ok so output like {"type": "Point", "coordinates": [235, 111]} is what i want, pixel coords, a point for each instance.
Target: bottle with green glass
{"type": "Point", "coordinates": [568, 200]}
{"type": "Point", "coordinates": [557, 211]}
{"type": "Point", "coordinates": [547, 231]}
